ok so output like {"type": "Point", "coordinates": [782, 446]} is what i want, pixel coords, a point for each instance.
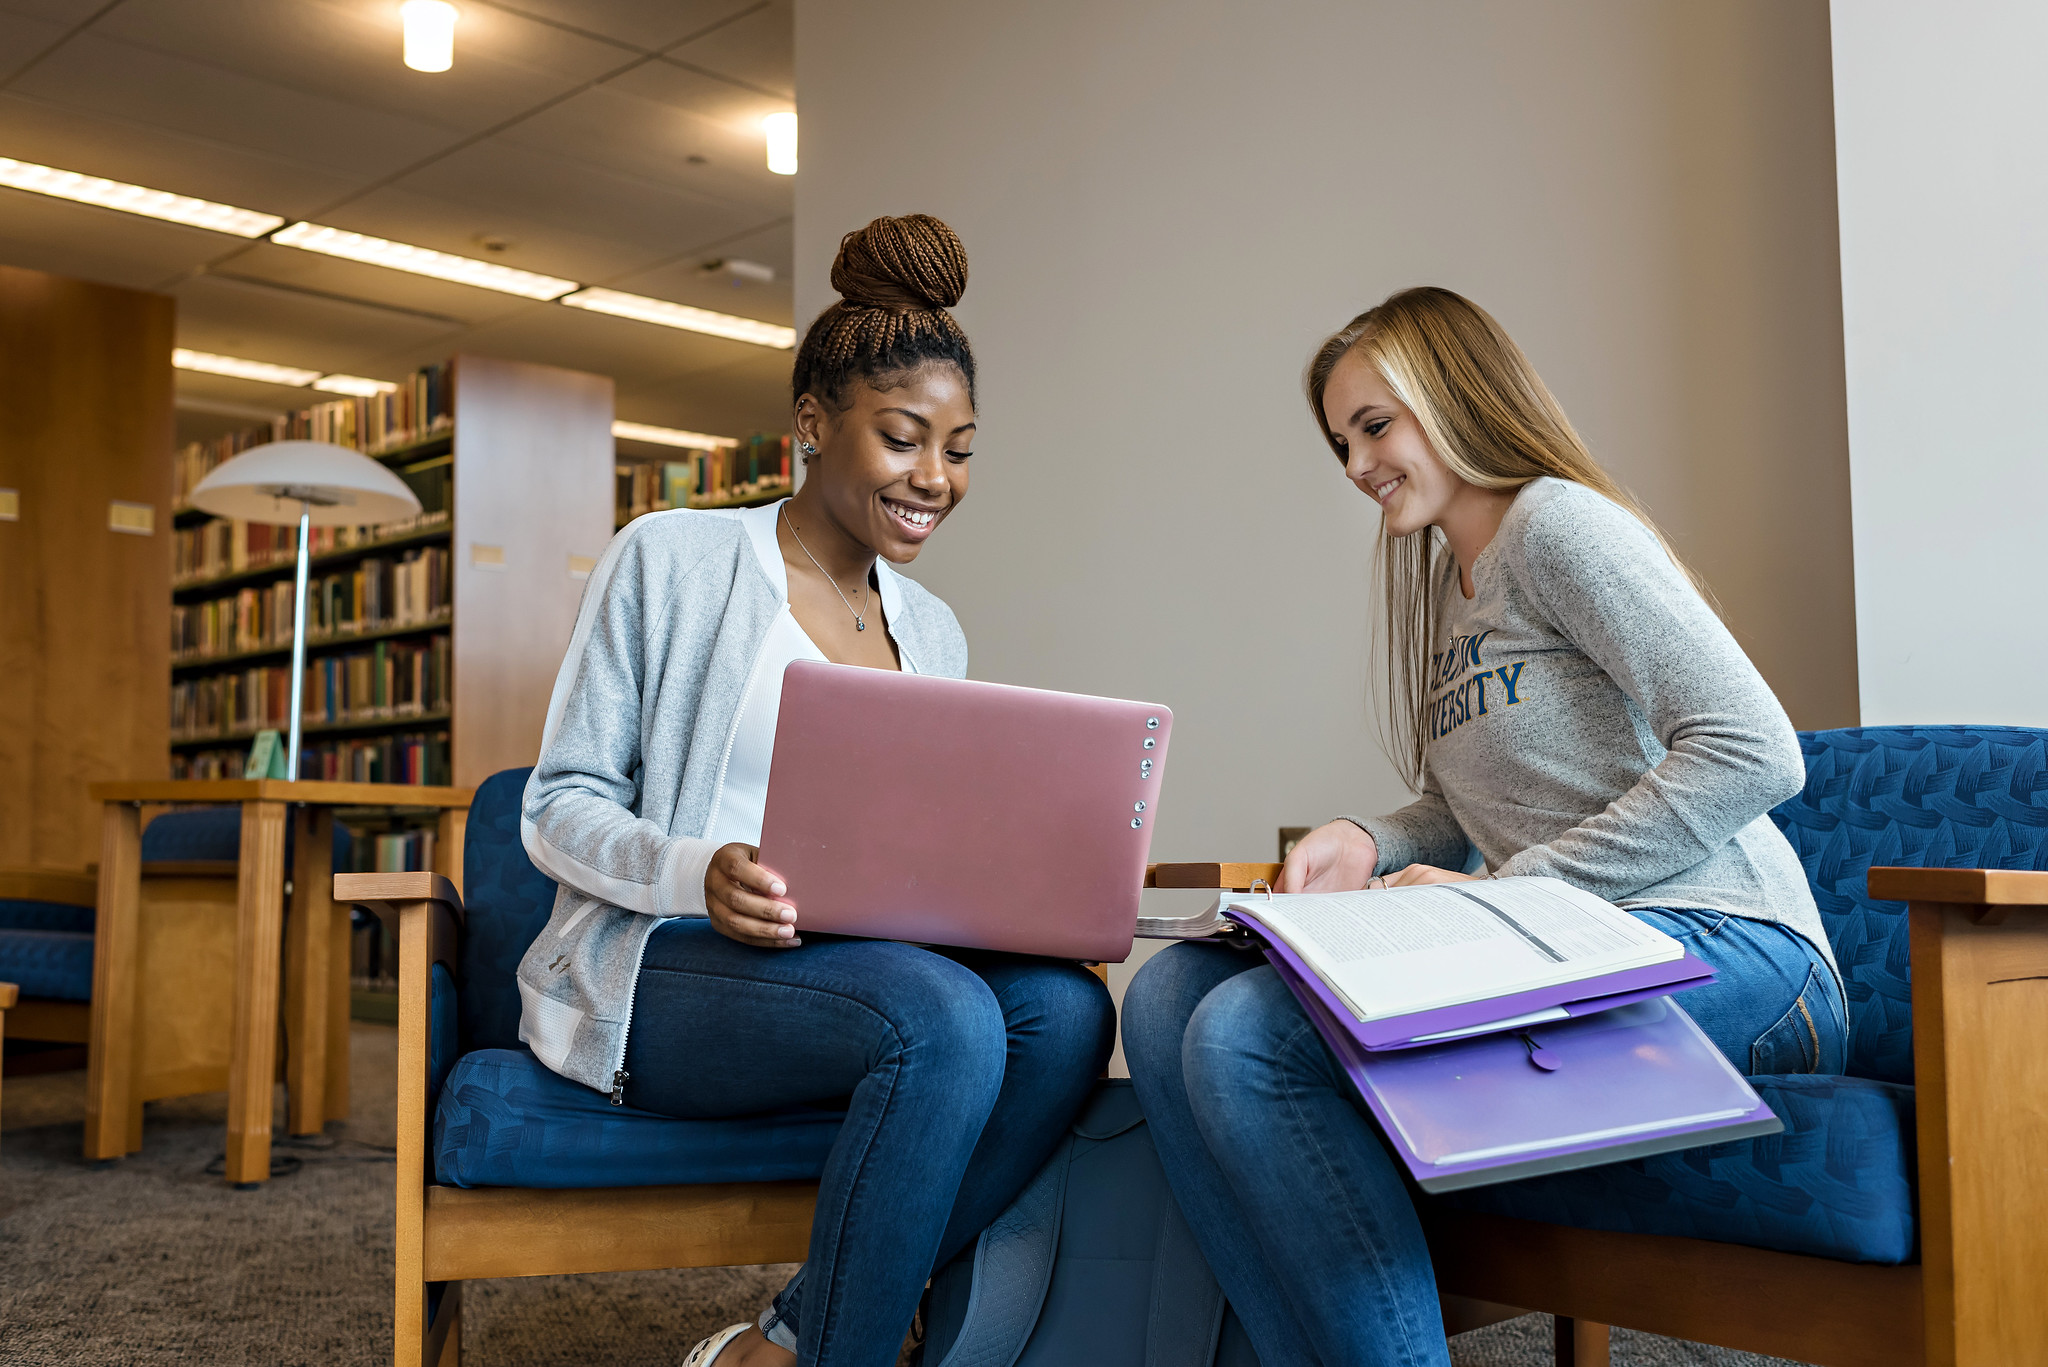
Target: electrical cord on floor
{"type": "Point", "coordinates": [329, 1148]}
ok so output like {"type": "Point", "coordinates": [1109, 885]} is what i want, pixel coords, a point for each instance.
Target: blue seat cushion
{"type": "Point", "coordinates": [1935, 797]}
{"type": "Point", "coordinates": [1836, 1183]}
{"type": "Point", "coordinates": [215, 833]}
{"type": "Point", "coordinates": [505, 1120]}
{"type": "Point", "coordinates": [21, 915]}
{"type": "Point", "coordinates": [54, 964]}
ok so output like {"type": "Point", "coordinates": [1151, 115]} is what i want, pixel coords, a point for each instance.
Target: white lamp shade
{"type": "Point", "coordinates": [343, 488]}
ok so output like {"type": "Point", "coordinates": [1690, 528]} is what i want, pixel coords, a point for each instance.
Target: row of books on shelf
{"type": "Point", "coordinates": [376, 594]}
{"type": "Point", "coordinates": [414, 757]}
{"type": "Point", "coordinates": [386, 680]}
{"type": "Point", "coordinates": [421, 407]}
{"type": "Point", "coordinates": [224, 546]}
{"type": "Point", "coordinates": [704, 478]}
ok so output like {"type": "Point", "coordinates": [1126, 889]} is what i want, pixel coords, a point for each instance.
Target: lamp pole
{"type": "Point", "coordinates": [291, 762]}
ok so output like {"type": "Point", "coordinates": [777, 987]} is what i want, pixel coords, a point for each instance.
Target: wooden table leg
{"type": "Point", "coordinates": [259, 926]}
{"type": "Point", "coordinates": [111, 1130]}
{"type": "Point", "coordinates": [337, 1107]}
{"type": "Point", "coordinates": [1581, 1343]}
{"type": "Point", "coordinates": [308, 947]}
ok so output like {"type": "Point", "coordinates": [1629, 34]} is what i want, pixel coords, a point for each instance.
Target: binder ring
{"type": "Point", "coordinates": [1258, 883]}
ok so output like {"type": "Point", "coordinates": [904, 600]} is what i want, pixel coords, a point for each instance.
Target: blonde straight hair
{"type": "Point", "coordinates": [1494, 423]}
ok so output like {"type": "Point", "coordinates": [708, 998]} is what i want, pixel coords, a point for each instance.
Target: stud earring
{"type": "Point", "coordinates": [809, 451]}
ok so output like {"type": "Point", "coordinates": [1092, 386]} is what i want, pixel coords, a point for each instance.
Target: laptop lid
{"type": "Point", "coordinates": [945, 811]}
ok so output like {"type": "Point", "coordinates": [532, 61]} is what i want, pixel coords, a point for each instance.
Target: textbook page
{"type": "Point", "coordinates": [1395, 951]}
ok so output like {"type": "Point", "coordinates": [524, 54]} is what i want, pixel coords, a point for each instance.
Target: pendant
{"type": "Point", "coordinates": [859, 625]}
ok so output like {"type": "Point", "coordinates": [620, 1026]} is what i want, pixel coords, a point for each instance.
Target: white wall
{"type": "Point", "coordinates": [1168, 205]}
{"type": "Point", "coordinates": [1941, 128]}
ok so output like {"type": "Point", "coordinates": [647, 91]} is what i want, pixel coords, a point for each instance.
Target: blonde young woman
{"type": "Point", "coordinates": [1566, 703]}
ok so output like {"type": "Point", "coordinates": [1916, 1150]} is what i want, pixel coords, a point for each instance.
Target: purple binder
{"type": "Point", "coordinates": [1582, 998]}
{"type": "Point", "coordinates": [1633, 1080]}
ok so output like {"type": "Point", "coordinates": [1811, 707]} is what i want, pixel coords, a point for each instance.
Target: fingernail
{"type": "Point", "coordinates": [789, 913]}
{"type": "Point", "coordinates": [785, 931]}
{"type": "Point", "coordinates": [777, 888]}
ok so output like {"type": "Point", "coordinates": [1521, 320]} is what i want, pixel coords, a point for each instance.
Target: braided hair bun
{"type": "Point", "coordinates": [914, 262]}
{"type": "Point", "coordinates": [896, 278]}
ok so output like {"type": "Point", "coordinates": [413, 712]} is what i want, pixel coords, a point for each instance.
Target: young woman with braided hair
{"type": "Point", "coordinates": [673, 973]}
{"type": "Point", "coordinates": [1566, 702]}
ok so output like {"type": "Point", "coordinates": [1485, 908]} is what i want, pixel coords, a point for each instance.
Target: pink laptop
{"type": "Point", "coordinates": [943, 811]}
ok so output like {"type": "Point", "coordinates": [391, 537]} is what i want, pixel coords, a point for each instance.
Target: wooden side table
{"type": "Point", "coordinates": [312, 946]}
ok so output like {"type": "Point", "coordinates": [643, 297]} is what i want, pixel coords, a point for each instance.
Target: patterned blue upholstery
{"type": "Point", "coordinates": [53, 964]}
{"type": "Point", "coordinates": [507, 902]}
{"type": "Point", "coordinates": [17, 915]}
{"type": "Point", "coordinates": [506, 1121]}
{"type": "Point", "coordinates": [1837, 1183]}
{"type": "Point", "coordinates": [503, 1119]}
{"type": "Point", "coordinates": [1915, 796]}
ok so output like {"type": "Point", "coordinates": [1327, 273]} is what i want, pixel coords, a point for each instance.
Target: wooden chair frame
{"type": "Point", "coordinates": [448, 1235]}
{"type": "Point", "coordinates": [1975, 1298]}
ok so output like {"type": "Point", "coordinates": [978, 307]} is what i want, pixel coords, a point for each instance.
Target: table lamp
{"type": "Point", "coordinates": [332, 486]}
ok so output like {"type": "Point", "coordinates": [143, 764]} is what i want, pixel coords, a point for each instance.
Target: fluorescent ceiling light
{"type": "Point", "coordinates": [240, 369]}
{"type": "Point", "coordinates": [429, 34]}
{"type": "Point", "coordinates": [670, 436]}
{"type": "Point", "coordinates": [135, 199]}
{"type": "Point", "coordinates": [674, 315]}
{"type": "Point", "coordinates": [781, 131]}
{"type": "Point", "coordinates": [360, 386]}
{"type": "Point", "coordinates": [462, 270]}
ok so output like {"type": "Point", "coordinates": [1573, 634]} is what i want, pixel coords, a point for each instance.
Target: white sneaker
{"type": "Point", "coordinates": [705, 1353]}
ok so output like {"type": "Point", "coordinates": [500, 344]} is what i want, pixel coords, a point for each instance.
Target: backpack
{"type": "Point", "coordinates": [1092, 1263]}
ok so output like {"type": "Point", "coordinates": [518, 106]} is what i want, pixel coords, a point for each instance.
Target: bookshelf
{"type": "Point", "coordinates": [432, 644]}
{"type": "Point", "coordinates": [743, 475]}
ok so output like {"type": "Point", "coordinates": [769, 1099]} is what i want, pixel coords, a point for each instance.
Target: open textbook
{"type": "Point", "coordinates": [1400, 952]}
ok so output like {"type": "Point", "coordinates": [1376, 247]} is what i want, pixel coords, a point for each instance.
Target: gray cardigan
{"type": "Point", "coordinates": [1591, 719]}
{"type": "Point", "coordinates": [632, 761]}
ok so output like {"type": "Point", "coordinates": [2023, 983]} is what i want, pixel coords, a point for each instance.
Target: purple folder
{"type": "Point", "coordinates": [1634, 1080]}
{"type": "Point", "coordinates": [1582, 998]}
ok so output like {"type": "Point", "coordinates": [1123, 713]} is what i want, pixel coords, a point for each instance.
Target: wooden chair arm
{"type": "Point", "coordinates": [1991, 891]}
{"type": "Point", "coordinates": [383, 892]}
{"type": "Point", "coordinates": [1229, 877]}
{"type": "Point", "coordinates": [50, 885]}
{"type": "Point", "coordinates": [9, 995]}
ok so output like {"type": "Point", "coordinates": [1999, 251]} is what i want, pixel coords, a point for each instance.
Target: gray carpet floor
{"type": "Point", "coordinates": [153, 1261]}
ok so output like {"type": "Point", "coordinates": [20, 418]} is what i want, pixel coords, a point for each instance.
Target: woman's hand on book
{"type": "Point", "coordinates": [742, 898]}
{"type": "Point", "coordinates": [1417, 874]}
{"type": "Point", "coordinates": [1338, 857]}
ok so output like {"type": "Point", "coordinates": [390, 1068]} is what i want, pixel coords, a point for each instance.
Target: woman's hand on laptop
{"type": "Point", "coordinates": [741, 897]}
{"type": "Point", "coordinates": [1338, 857]}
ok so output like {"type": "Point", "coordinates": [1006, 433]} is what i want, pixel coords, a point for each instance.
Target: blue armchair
{"type": "Point", "coordinates": [1902, 1215]}
{"type": "Point", "coordinates": [506, 1169]}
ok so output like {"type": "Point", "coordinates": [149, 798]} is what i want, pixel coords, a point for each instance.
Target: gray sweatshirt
{"type": "Point", "coordinates": [1591, 719]}
{"type": "Point", "coordinates": [632, 761]}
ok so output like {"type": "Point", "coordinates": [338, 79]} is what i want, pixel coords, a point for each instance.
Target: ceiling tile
{"type": "Point", "coordinates": [686, 281]}
{"type": "Point", "coordinates": [562, 198]}
{"type": "Point", "coordinates": [238, 318]}
{"type": "Point", "coordinates": [649, 25]}
{"type": "Point", "coordinates": [650, 121]}
{"type": "Point", "coordinates": [141, 153]}
{"type": "Point", "coordinates": [759, 49]}
{"type": "Point", "coordinates": [316, 275]}
{"type": "Point", "coordinates": [66, 13]}
{"type": "Point", "coordinates": [22, 37]}
{"type": "Point", "coordinates": [98, 244]}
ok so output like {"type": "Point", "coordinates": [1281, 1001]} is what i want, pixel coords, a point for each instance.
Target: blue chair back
{"type": "Point", "coordinates": [508, 902]}
{"type": "Point", "coordinates": [1934, 797]}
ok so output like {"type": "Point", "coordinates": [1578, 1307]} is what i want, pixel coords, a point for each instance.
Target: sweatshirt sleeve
{"type": "Point", "coordinates": [578, 819]}
{"type": "Point", "coordinates": [1605, 583]}
{"type": "Point", "coordinates": [1423, 832]}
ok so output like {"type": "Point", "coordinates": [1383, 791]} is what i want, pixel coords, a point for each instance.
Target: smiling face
{"type": "Point", "coordinates": [893, 464]}
{"type": "Point", "coordinates": [1386, 453]}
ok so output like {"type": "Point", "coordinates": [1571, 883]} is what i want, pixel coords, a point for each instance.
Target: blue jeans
{"type": "Point", "coordinates": [960, 1072]}
{"type": "Point", "coordinates": [1307, 1219]}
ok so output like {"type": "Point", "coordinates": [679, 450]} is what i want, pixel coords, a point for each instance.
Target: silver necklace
{"type": "Point", "coordinates": [860, 616]}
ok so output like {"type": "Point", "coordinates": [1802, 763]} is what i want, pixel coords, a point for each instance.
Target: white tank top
{"type": "Point", "coordinates": [745, 794]}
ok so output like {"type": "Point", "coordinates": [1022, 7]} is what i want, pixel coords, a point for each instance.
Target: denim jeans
{"type": "Point", "coordinates": [1307, 1218]}
{"type": "Point", "coordinates": [960, 1071]}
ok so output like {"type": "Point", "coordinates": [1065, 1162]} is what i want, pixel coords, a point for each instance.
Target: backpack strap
{"type": "Point", "coordinates": [1012, 1268]}
{"type": "Point", "coordinates": [1187, 1302]}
